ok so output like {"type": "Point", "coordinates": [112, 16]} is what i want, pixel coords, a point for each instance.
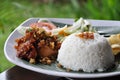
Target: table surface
{"type": "Point", "coordinates": [19, 73]}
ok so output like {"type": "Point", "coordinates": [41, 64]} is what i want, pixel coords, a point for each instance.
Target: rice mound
{"type": "Point", "coordinates": [85, 54]}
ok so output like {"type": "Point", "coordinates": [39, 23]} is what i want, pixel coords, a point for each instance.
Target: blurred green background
{"type": "Point", "coordinates": [14, 12]}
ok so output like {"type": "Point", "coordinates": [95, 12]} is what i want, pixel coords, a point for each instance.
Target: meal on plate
{"type": "Point", "coordinates": [76, 47]}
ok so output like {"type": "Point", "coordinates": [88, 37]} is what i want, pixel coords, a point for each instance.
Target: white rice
{"type": "Point", "coordinates": [87, 55]}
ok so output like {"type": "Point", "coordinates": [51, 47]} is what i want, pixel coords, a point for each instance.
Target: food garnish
{"type": "Point", "coordinates": [79, 26]}
{"type": "Point", "coordinates": [86, 35]}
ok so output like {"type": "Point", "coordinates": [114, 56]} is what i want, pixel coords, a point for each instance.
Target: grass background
{"type": "Point", "coordinates": [14, 12]}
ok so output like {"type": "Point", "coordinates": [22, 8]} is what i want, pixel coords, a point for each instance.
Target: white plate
{"type": "Point", "coordinates": [10, 54]}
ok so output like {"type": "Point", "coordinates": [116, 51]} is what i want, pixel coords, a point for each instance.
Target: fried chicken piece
{"type": "Point", "coordinates": [37, 43]}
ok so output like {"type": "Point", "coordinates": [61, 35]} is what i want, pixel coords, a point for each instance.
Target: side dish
{"type": "Point", "coordinates": [88, 53]}
{"type": "Point", "coordinates": [114, 41]}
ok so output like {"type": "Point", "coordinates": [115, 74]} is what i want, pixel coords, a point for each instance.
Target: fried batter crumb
{"type": "Point", "coordinates": [86, 35]}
